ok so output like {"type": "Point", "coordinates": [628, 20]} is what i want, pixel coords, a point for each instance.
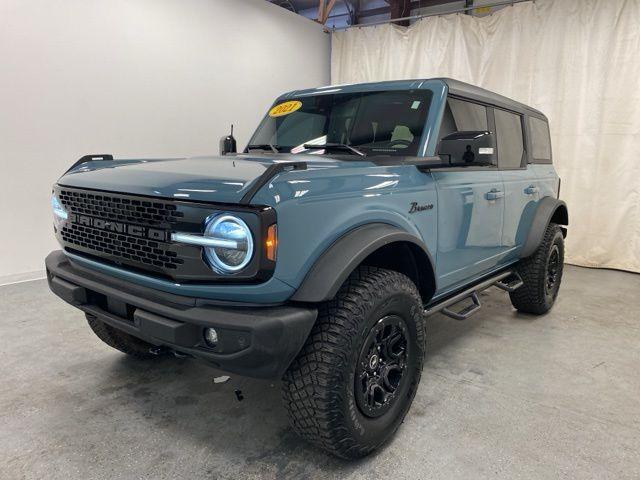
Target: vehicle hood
{"type": "Point", "coordinates": [209, 179]}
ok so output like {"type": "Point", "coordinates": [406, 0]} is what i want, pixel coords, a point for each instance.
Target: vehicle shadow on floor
{"type": "Point", "coordinates": [177, 401]}
{"type": "Point", "coordinates": [443, 333]}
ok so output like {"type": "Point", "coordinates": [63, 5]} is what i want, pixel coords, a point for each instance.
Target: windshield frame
{"type": "Point", "coordinates": [402, 86]}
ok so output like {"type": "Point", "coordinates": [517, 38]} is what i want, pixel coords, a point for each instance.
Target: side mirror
{"type": "Point", "coordinates": [228, 144]}
{"type": "Point", "coordinates": [469, 148]}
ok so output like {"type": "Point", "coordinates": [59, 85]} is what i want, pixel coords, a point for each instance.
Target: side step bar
{"type": "Point", "coordinates": [508, 281]}
{"type": "Point", "coordinates": [511, 283]}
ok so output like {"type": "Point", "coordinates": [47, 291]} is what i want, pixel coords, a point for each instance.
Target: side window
{"type": "Point", "coordinates": [540, 141]}
{"type": "Point", "coordinates": [460, 142]}
{"type": "Point", "coordinates": [510, 140]}
{"type": "Point", "coordinates": [462, 116]}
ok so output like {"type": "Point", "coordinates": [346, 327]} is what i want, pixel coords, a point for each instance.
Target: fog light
{"type": "Point", "coordinates": [211, 336]}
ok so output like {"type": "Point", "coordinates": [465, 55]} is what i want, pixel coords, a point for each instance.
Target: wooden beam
{"type": "Point", "coordinates": [414, 4]}
{"type": "Point", "coordinates": [320, 11]}
{"type": "Point", "coordinates": [400, 9]}
{"type": "Point", "coordinates": [327, 10]}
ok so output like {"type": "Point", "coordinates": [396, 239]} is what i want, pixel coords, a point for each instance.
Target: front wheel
{"type": "Point", "coordinates": [541, 274]}
{"type": "Point", "coordinates": [354, 380]}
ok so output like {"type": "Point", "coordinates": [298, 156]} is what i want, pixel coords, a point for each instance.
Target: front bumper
{"type": "Point", "coordinates": [255, 341]}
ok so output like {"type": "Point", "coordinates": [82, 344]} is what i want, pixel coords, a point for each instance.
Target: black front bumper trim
{"type": "Point", "coordinates": [254, 341]}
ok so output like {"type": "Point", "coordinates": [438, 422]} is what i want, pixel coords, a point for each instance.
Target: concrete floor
{"type": "Point", "coordinates": [503, 395]}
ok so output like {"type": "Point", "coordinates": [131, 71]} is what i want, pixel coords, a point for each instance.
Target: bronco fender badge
{"type": "Point", "coordinates": [420, 208]}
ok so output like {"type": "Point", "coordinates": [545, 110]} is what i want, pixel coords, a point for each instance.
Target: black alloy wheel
{"type": "Point", "coordinates": [381, 366]}
{"type": "Point", "coordinates": [553, 268]}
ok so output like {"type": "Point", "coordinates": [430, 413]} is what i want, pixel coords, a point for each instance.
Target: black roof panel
{"type": "Point", "coordinates": [456, 87]}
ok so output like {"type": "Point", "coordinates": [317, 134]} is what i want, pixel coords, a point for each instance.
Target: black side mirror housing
{"type": "Point", "coordinates": [228, 145]}
{"type": "Point", "coordinates": [469, 148]}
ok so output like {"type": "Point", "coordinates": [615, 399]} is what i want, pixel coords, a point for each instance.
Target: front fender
{"type": "Point", "coordinates": [333, 267]}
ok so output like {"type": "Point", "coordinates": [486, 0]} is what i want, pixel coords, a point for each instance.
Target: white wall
{"type": "Point", "coordinates": [133, 78]}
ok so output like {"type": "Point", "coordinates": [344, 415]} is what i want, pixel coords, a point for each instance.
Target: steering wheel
{"type": "Point", "coordinates": [400, 141]}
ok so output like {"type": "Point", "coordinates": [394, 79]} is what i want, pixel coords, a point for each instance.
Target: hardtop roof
{"type": "Point", "coordinates": [467, 90]}
{"type": "Point", "coordinates": [455, 87]}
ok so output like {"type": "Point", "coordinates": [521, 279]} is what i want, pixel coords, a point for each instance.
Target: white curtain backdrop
{"type": "Point", "coordinates": [576, 60]}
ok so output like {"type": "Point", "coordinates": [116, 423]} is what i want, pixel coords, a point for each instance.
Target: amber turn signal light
{"type": "Point", "coordinates": [271, 243]}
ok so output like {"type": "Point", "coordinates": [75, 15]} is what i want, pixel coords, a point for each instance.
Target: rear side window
{"type": "Point", "coordinates": [510, 139]}
{"type": "Point", "coordinates": [462, 116]}
{"type": "Point", "coordinates": [540, 141]}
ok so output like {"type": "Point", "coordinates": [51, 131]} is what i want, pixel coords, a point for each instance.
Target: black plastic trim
{"type": "Point", "coordinates": [260, 341]}
{"type": "Point", "coordinates": [90, 158]}
{"type": "Point", "coordinates": [267, 175]}
{"type": "Point", "coordinates": [545, 210]}
{"type": "Point", "coordinates": [76, 272]}
{"type": "Point", "coordinates": [334, 266]}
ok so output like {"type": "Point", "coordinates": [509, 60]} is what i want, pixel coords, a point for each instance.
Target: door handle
{"type": "Point", "coordinates": [531, 189]}
{"type": "Point", "coordinates": [494, 194]}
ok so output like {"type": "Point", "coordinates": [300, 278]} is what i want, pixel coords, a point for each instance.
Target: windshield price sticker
{"type": "Point", "coordinates": [285, 108]}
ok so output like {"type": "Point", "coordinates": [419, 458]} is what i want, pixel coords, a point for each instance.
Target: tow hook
{"type": "Point", "coordinates": [159, 350]}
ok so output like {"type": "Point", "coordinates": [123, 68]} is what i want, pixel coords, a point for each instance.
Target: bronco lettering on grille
{"type": "Point", "coordinates": [119, 227]}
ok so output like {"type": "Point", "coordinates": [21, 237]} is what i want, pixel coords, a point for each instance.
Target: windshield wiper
{"type": "Point", "coordinates": [265, 146]}
{"type": "Point", "coordinates": [336, 146]}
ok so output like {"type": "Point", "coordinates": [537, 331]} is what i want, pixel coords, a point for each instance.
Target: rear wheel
{"type": "Point", "coordinates": [541, 274]}
{"type": "Point", "coordinates": [354, 380]}
{"type": "Point", "coordinates": [120, 340]}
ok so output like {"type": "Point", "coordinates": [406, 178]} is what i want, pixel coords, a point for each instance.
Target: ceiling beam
{"type": "Point", "coordinates": [400, 9]}
{"type": "Point", "coordinates": [327, 10]}
{"type": "Point", "coordinates": [324, 9]}
{"type": "Point", "coordinates": [320, 15]}
{"type": "Point", "coordinates": [468, 4]}
{"type": "Point", "coordinates": [414, 5]}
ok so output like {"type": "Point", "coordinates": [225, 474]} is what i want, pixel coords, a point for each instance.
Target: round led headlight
{"type": "Point", "coordinates": [60, 215]}
{"type": "Point", "coordinates": [237, 251]}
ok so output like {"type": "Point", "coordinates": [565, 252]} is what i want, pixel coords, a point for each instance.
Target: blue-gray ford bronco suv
{"type": "Point", "coordinates": [316, 255]}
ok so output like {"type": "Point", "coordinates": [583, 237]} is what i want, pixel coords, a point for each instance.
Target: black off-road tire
{"type": "Point", "coordinates": [541, 274]}
{"type": "Point", "coordinates": [324, 402]}
{"type": "Point", "coordinates": [120, 340]}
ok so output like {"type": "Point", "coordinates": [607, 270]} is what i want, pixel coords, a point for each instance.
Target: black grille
{"type": "Point", "coordinates": [120, 208]}
{"type": "Point", "coordinates": [140, 250]}
{"type": "Point", "coordinates": [131, 230]}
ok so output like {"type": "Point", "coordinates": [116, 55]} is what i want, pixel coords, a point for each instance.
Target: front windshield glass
{"type": "Point", "coordinates": [374, 123]}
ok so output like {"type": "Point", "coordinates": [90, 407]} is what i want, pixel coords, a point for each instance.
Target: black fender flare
{"type": "Point", "coordinates": [546, 210]}
{"type": "Point", "coordinates": [337, 262]}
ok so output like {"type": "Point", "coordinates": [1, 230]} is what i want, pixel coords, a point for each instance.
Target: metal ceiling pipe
{"type": "Point", "coordinates": [418, 17]}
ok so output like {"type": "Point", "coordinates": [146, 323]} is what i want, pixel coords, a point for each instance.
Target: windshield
{"type": "Point", "coordinates": [372, 123]}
